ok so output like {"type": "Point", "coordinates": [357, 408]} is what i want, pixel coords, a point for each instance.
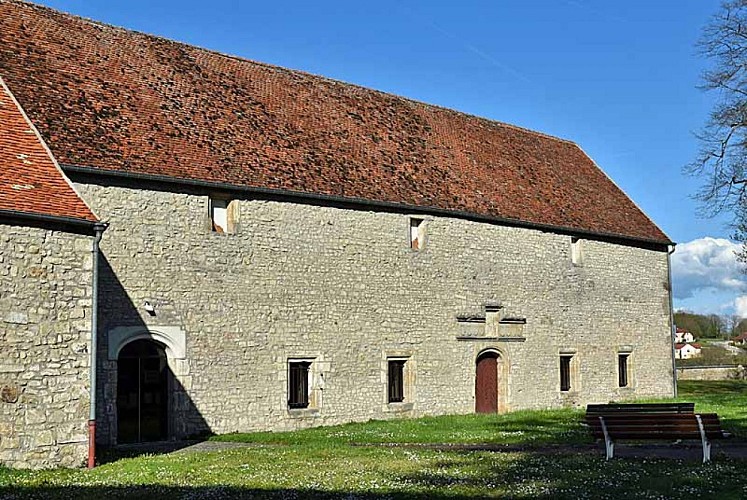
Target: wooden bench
{"type": "Point", "coordinates": [653, 422]}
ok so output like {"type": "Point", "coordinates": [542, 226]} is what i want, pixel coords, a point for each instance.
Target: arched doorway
{"type": "Point", "coordinates": [486, 383]}
{"type": "Point", "coordinates": [142, 392]}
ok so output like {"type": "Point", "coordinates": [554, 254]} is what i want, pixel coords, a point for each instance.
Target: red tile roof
{"type": "Point", "coordinates": [30, 181]}
{"type": "Point", "coordinates": [680, 346]}
{"type": "Point", "coordinates": [114, 99]}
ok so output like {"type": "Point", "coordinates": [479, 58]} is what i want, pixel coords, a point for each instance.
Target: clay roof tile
{"type": "Point", "coordinates": [113, 99]}
{"type": "Point", "coordinates": [30, 180]}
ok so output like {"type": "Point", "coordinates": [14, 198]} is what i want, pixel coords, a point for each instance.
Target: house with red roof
{"type": "Point", "coordinates": [197, 243]}
{"type": "Point", "coordinates": [683, 336]}
{"type": "Point", "coordinates": [687, 350]}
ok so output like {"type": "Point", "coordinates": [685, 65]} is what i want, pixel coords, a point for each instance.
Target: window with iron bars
{"type": "Point", "coordinates": [622, 369]}
{"type": "Point", "coordinates": [396, 377]}
{"type": "Point", "coordinates": [298, 384]}
{"type": "Point", "coordinates": [565, 373]}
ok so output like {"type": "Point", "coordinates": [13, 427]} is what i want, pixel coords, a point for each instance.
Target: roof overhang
{"type": "Point", "coordinates": [51, 222]}
{"type": "Point", "coordinates": [168, 183]}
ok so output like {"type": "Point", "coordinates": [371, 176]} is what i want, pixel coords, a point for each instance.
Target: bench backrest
{"type": "Point", "coordinates": [609, 409]}
{"type": "Point", "coordinates": [655, 426]}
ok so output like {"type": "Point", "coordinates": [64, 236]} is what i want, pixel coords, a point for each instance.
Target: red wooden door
{"type": "Point", "coordinates": [486, 384]}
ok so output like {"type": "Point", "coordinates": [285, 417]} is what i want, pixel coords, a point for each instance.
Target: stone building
{"type": "Point", "coordinates": [284, 250]}
{"type": "Point", "coordinates": [45, 300]}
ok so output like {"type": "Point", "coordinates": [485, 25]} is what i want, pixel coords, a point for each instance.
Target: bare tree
{"type": "Point", "coordinates": [722, 157]}
{"type": "Point", "coordinates": [731, 323]}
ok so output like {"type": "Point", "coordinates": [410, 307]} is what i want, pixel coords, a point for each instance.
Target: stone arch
{"type": "Point", "coordinates": [172, 338]}
{"type": "Point", "coordinates": [495, 350]}
{"type": "Point", "coordinates": [497, 366]}
{"type": "Point", "coordinates": [143, 392]}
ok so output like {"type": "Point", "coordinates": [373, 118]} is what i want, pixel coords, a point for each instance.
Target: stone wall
{"type": "Point", "coordinates": [45, 305]}
{"type": "Point", "coordinates": [343, 288]}
{"type": "Point", "coordinates": [711, 372]}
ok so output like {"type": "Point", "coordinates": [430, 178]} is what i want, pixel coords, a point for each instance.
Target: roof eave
{"type": "Point", "coordinates": [660, 245]}
{"type": "Point", "coordinates": [51, 222]}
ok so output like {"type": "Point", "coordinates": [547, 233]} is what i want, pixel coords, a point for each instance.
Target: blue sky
{"type": "Point", "coordinates": [618, 78]}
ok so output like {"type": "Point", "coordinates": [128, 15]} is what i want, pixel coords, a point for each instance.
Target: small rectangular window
{"type": "Point", "coordinates": [396, 385]}
{"type": "Point", "coordinates": [417, 233]}
{"type": "Point", "coordinates": [622, 369]}
{"type": "Point", "coordinates": [298, 384]}
{"type": "Point", "coordinates": [219, 215]}
{"type": "Point", "coordinates": [577, 257]}
{"type": "Point", "coordinates": [223, 215]}
{"type": "Point", "coordinates": [565, 373]}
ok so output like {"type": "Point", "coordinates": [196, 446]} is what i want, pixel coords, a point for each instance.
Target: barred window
{"type": "Point", "coordinates": [396, 377]}
{"type": "Point", "coordinates": [298, 384]}
{"type": "Point", "coordinates": [565, 373]}
{"type": "Point", "coordinates": [622, 369]}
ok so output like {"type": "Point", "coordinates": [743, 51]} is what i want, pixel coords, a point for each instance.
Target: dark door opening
{"type": "Point", "coordinates": [486, 383]}
{"type": "Point", "coordinates": [142, 393]}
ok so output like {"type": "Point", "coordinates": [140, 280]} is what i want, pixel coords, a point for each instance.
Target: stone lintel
{"type": "Point", "coordinates": [172, 337]}
{"type": "Point", "coordinates": [513, 321]}
{"type": "Point", "coordinates": [470, 319]}
{"type": "Point", "coordinates": [492, 339]}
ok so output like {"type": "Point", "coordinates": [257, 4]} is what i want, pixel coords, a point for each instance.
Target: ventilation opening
{"type": "Point", "coordinates": [417, 233]}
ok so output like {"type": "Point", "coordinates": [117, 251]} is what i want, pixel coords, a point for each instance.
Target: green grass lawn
{"type": "Point", "coordinates": [322, 463]}
{"type": "Point", "coordinates": [728, 398]}
{"type": "Point", "coordinates": [521, 427]}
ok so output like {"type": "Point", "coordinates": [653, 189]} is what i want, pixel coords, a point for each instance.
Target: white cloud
{"type": "Point", "coordinates": [740, 306]}
{"type": "Point", "coordinates": [707, 264]}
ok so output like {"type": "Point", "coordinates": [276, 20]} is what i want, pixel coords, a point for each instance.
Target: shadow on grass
{"type": "Point", "coordinates": [106, 455]}
{"type": "Point", "coordinates": [409, 474]}
{"type": "Point", "coordinates": [209, 492]}
{"type": "Point", "coordinates": [578, 476]}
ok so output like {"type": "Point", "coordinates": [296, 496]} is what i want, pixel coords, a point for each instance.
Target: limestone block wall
{"type": "Point", "coordinates": [343, 288]}
{"type": "Point", "coordinates": [45, 306]}
{"type": "Point", "coordinates": [711, 372]}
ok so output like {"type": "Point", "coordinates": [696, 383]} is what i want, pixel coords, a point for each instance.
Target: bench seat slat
{"type": "Point", "coordinates": [595, 409]}
{"type": "Point", "coordinates": [652, 421]}
{"type": "Point", "coordinates": [638, 432]}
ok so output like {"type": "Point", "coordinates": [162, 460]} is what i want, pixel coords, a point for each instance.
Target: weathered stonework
{"type": "Point", "coordinates": [344, 288]}
{"type": "Point", "coordinates": [45, 306]}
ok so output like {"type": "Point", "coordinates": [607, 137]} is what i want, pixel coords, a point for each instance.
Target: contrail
{"type": "Point", "coordinates": [470, 48]}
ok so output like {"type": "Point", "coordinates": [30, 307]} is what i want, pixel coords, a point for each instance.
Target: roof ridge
{"type": "Point", "coordinates": [276, 67]}
{"type": "Point", "coordinates": [282, 129]}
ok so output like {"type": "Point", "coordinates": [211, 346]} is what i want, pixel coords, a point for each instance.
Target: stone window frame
{"type": "Point", "coordinates": [297, 372]}
{"type": "Point", "coordinates": [315, 385]}
{"type": "Point", "coordinates": [626, 351]}
{"type": "Point", "coordinates": [232, 214]}
{"type": "Point", "coordinates": [577, 251]}
{"type": "Point", "coordinates": [574, 368]}
{"type": "Point", "coordinates": [396, 380]}
{"type": "Point", "coordinates": [409, 379]}
{"type": "Point", "coordinates": [422, 233]}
